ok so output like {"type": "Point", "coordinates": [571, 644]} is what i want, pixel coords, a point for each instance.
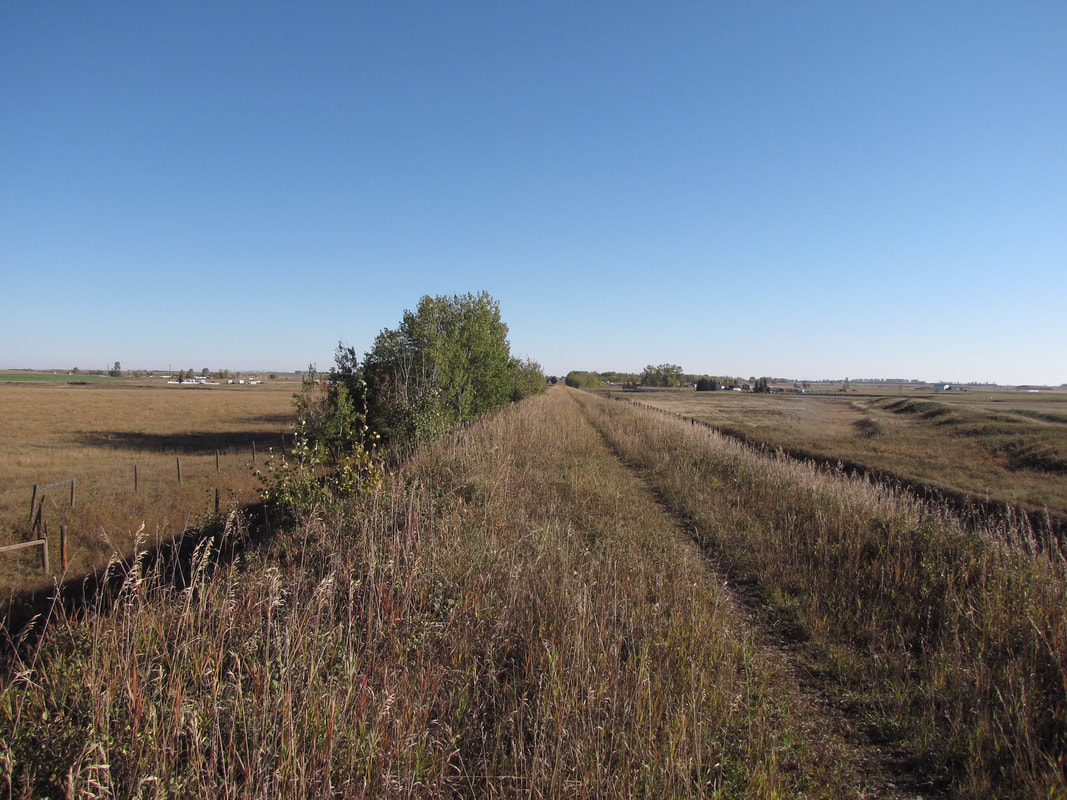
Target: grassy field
{"type": "Point", "coordinates": [571, 597]}
{"type": "Point", "coordinates": [1008, 446]}
{"type": "Point", "coordinates": [98, 434]}
{"type": "Point", "coordinates": [31, 376]}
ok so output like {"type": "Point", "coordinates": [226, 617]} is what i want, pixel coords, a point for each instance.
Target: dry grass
{"type": "Point", "coordinates": [952, 638]}
{"type": "Point", "coordinates": [997, 445]}
{"type": "Point", "coordinates": [513, 616]}
{"type": "Point", "coordinates": [97, 435]}
{"type": "Point", "coordinates": [517, 614]}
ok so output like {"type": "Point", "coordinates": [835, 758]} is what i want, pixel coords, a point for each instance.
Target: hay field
{"type": "Point", "coordinates": [98, 434]}
{"type": "Point", "coordinates": [992, 444]}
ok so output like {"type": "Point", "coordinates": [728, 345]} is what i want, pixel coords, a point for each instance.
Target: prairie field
{"type": "Point", "coordinates": [569, 597]}
{"type": "Point", "coordinates": [99, 434]}
{"type": "Point", "coordinates": [1001, 445]}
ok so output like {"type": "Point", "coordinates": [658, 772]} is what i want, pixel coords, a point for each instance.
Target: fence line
{"type": "Point", "coordinates": [37, 510]}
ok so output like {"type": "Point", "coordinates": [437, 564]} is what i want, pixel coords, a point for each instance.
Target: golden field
{"type": "Point", "coordinates": [1007, 446]}
{"type": "Point", "coordinates": [98, 433]}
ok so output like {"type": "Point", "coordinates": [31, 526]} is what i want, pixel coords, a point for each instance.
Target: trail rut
{"type": "Point", "coordinates": [832, 721]}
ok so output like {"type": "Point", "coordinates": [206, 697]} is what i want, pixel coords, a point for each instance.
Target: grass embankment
{"type": "Point", "coordinates": [513, 616]}
{"type": "Point", "coordinates": [952, 640]}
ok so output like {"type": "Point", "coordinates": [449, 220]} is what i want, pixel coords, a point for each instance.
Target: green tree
{"type": "Point", "coordinates": [447, 362]}
{"type": "Point", "coordinates": [663, 375]}
{"type": "Point", "coordinates": [528, 380]}
{"type": "Point", "coordinates": [332, 413]}
{"type": "Point", "coordinates": [579, 379]}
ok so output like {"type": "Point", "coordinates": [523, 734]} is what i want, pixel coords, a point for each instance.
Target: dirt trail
{"type": "Point", "coordinates": [832, 722]}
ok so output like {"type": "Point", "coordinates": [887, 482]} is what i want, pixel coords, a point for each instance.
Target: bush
{"type": "Point", "coordinates": [334, 454]}
{"type": "Point", "coordinates": [448, 362]}
{"type": "Point", "coordinates": [577, 379]}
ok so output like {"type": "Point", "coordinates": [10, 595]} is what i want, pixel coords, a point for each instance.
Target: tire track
{"type": "Point", "coordinates": [831, 719]}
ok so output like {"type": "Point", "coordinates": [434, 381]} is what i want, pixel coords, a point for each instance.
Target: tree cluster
{"type": "Point", "coordinates": [663, 375]}
{"type": "Point", "coordinates": [577, 379]}
{"type": "Point", "coordinates": [448, 362]}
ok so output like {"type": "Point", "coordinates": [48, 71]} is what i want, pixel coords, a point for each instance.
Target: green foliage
{"type": "Point", "coordinates": [577, 379]}
{"type": "Point", "coordinates": [708, 385]}
{"type": "Point", "coordinates": [334, 454]}
{"type": "Point", "coordinates": [663, 375]}
{"type": "Point", "coordinates": [762, 386]}
{"type": "Point", "coordinates": [448, 362]}
{"type": "Point", "coordinates": [528, 379]}
{"type": "Point", "coordinates": [619, 377]}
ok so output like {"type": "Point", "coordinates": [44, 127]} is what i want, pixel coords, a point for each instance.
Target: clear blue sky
{"type": "Point", "coordinates": [796, 189]}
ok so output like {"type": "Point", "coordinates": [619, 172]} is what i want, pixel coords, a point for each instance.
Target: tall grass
{"type": "Point", "coordinates": [1003, 448]}
{"type": "Point", "coordinates": [952, 637]}
{"type": "Point", "coordinates": [513, 615]}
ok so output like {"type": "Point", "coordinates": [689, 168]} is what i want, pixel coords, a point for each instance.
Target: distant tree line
{"type": "Point", "coordinates": [663, 375]}
{"type": "Point", "coordinates": [669, 375]}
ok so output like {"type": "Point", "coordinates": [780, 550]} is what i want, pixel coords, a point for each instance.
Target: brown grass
{"type": "Point", "coordinates": [514, 615]}
{"type": "Point", "coordinates": [998, 445]}
{"type": "Point", "coordinates": [951, 638]}
{"type": "Point", "coordinates": [529, 608]}
{"type": "Point", "coordinates": [97, 435]}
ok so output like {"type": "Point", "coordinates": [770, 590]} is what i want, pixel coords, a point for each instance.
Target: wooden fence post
{"type": "Point", "coordinates": [33, 503]}
{"type": "Point", "coordinates": [72, 492]}
{"type": "Point", "coordinates": [253, 451]}
{"type": "Point", "coordinates": [135, 477]}
{"type": "Point", "coordinates": [44, 549]}
{"type": "Point", "coordinates": [216, 460]}
{"type": "Point", "coordinates": [179, 460]}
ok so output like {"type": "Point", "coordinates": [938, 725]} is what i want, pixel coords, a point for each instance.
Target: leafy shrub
{"type": "Point", "coordinates": [334, 454]}
{"type": "Point", "coordinates": [578, 379]}
{"type": "Point", "coordinates": [448, 362]}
